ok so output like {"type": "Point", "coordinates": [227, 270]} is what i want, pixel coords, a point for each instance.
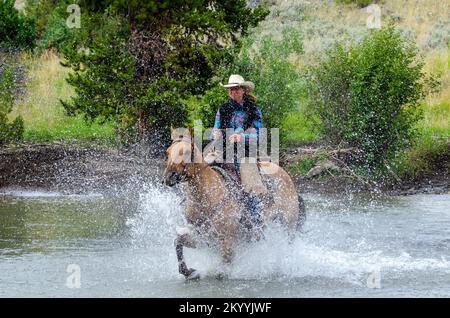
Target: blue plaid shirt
{"type": "Point", "coordinates": [237, 123]}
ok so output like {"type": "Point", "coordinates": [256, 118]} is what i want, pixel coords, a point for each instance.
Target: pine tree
{"type": "Point", "coordinates": [136, 60]}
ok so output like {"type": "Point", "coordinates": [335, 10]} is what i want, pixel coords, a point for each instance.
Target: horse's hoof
{"type": "Point", "coordinates": [192, 274]}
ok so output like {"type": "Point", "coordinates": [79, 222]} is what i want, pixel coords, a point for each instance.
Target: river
{"type": "Point", "coordinates": [355, 245]}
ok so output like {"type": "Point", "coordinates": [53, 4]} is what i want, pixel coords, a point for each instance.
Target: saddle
{"type": "Point", "coordinates": [228, 173]}
{"type": "Point", "coordinates": [248, 179]}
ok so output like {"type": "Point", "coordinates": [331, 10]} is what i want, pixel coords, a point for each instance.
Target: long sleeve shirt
{"type": "Point", "coordinates": [238, 122]}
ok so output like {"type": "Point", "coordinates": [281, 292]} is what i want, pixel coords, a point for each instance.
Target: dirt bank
{"type": "Point", "coordinates": [74, 169]}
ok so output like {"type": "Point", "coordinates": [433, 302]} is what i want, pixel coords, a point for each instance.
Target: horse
{"type": "Point", "coordinates": [214, 206]}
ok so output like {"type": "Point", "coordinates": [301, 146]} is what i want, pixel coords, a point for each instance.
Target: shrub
{"type": "Point", "coordinates": [8, 131]}
{"type": "Point", "coordinates": [204, 107]}
{"type": "Point", "coordinates": [367, 95]}
{"type": "Point", "coordinates": [278, 85]}
{"type": "Point", "coordinates": [51, 28]}
{"type": "Point", "coordinates": [427, 155]}
{"type": "Point", "coordinates": [360, 3]}
{"type": "Point", "coordinates": [16, 30]}
{"type": "Point", "coordinates": [56, 34]}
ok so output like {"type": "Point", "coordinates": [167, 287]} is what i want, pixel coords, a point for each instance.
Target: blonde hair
{"type": "Point", "coordinates": [249, 95]}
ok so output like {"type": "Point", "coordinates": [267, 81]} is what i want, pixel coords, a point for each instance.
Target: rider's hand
{"type": "Point", "coordinates": [217, 134]}
{"type": "Point", "coordinates": [236, 138]}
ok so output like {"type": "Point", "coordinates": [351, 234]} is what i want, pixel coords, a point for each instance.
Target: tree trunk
{"type": "Point", "coordinates": [142, 124]}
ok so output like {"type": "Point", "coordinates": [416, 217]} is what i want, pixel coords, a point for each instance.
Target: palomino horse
{"type": "Point", "coordinates": [213, 202]}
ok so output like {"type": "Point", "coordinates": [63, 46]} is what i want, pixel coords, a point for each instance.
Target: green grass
{"type": "Point", "coordinates": [301, 167]}
{"type": "Point", "coordinates": [437, 120]}
{"type": "Point", "coordinates": [44, 116]}
{"type": "Point", "coordinates": [298, 128]}
{"type": "Point", "coordinates": [72, 129]}
{"type": "Point", "coordinates": [430, 153]}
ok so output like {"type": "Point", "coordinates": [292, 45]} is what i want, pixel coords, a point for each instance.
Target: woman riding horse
{"type": "Point", "coordinates": [244, 117]}
{"type": "Point", "coordinates": [214, 204]}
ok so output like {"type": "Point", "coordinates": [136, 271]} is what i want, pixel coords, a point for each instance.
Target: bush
{"type": "Point", "coordinates": [360, 3]}
{"type": "Point", "coordinates": [205, 107]}
{"type": "Point", "coordinates": [51, 28]}
{"type": "Point", "coordinates": [427, 155]}
{"type": "Point", "coordinates": [367, 95]}
{"type": "Point", "coordinates": [8, 131]}
{"type": "Point", "coordinates": [279, 86]}
{"type": "Point", "coordinates": [56, 33]}
{"type": "Point", "coordinates": [16, 30]}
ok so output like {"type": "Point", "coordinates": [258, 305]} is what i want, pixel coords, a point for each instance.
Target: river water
{"type": "Point", "coordinates": [360, 245]}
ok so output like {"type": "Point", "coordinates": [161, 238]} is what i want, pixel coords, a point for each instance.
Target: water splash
{"type": "Point", "coordinates": [159, 212]}
{"type": "Point", "coordinates": [332, 247]}
{"type": "Point", "coordinates": [30, 194]}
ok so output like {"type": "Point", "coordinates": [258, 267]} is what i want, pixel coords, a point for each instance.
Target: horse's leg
{"type": "Point", "coordinates": [180, 241]}
{"type": "Point", "coordinates": [297, 227]}
{"type": "Point", "coordinates": [301, 214]}
{"type": "Point", "coordinates": [227, 251]}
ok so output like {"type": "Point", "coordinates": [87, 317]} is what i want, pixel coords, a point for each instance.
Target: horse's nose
{"type": "Point", "coordinates": [168, 179]}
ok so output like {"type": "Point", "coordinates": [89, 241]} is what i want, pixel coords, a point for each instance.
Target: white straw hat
{"type": "Point", "coordinates": [237, 80]}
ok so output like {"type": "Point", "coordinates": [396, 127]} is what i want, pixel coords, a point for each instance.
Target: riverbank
{"type": "Point", "coordinates": [75, 169]}
{"type": "Point", "coordinates": [83, 169]}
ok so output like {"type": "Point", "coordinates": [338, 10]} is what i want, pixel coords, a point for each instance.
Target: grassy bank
{"type": "Point", "coordinates": [40, 107]}
{"type": "Point", "coordinates": [322, 23]}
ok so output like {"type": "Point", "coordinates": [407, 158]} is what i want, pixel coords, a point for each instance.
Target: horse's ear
{"type": "Point", "coordinates": [180, 133]}
{"type": "Point", "coordinates": [173, 133]}
{"type": "Point", "coordinates": [190, 132]}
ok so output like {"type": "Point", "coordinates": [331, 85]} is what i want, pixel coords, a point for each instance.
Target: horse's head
{"type": "Point", "coordinates": [179, 157]}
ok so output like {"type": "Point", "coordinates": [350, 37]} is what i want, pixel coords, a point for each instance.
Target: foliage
{"type": "Point", "coordinates": [303, 166]}
{"type": "Point", "coordinates": [298, 127]}
{"type": "Point", "coordinates": [104, 74]}
{"type": "Point", "coordinates": [73, 129]}
{"type": "Point", "coordinates": [40, 107]}
{"type": "Point", "coordinates": [55, 33]}
{"type": "Point", "coordinates": [39, 10]}
{"type": "Point", "coordinates": [8, 131]}
{"type": "Point", "coordinates": [367, 95]}
{"type": "Point", "coordinates": [16, 30]}
{"type": "Point", "coordinates": [205, 107]}
{"type": "Point", "coordinates": [278, 85]}
{"type": "Point", "coordinates": [426, 155]}
{"type": "Point", "coordinates": [135, 61]}
{"type": "Point", "coordinates": [360, 3]}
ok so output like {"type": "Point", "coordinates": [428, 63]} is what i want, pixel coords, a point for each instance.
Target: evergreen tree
{"type": "Point", "coordinates": [16, 30]}
{"type": "Point", "coordinates": [136, 60]}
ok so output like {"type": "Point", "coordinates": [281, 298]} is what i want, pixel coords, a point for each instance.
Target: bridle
{"type": "Point", "coordinates": [180, 139]}
{"type": "Point", "coordinates": [182, 176]}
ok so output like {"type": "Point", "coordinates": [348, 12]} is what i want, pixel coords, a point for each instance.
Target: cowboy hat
{"type": "Point", "coordinates": [237, 81]}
